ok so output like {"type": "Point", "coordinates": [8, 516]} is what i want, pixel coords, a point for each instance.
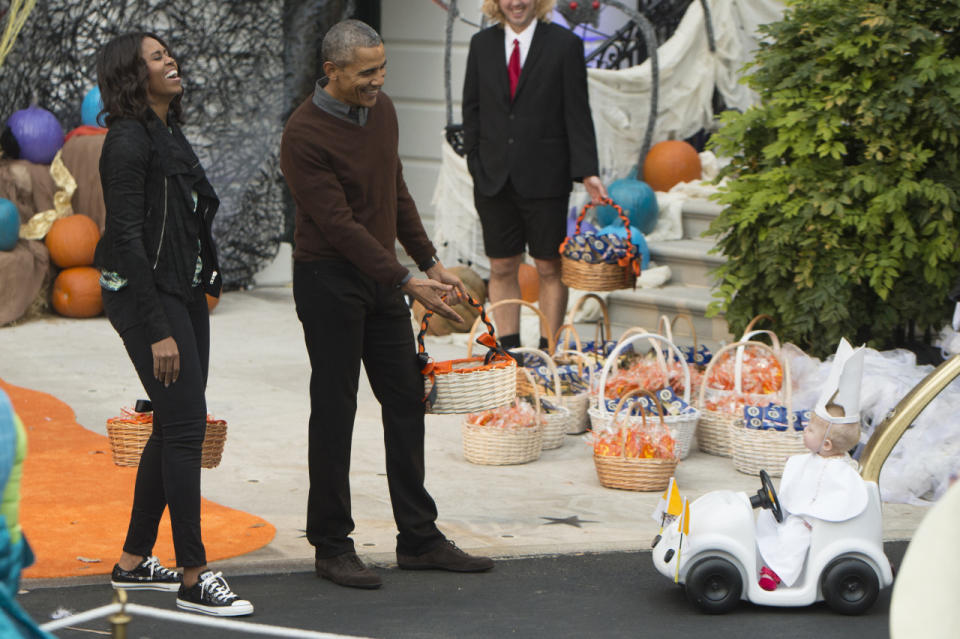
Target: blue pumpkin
{"type": "Point", "coordinates": [91, 107]}
{"type": "Point", "coordinates": [9, 225]}
{"type": "Point", "coordinates": [636, 238]}
{"type": "Point", "coordinates": [638, 201]}
{"type": "Point", "coordinates": [38, 133]}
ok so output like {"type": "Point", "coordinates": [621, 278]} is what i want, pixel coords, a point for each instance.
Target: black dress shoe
{"type": "Point", "coordinates": [445, 556]}
{"type": "Point", "coordinates": [347, 570]}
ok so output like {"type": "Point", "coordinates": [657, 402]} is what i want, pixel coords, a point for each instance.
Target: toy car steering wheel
{"type": "Point", "coordinates": [766, 497]}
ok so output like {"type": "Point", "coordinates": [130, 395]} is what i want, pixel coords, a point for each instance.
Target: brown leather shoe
{"type": "Point", "coordinates": [348, 570]}
{"type": "Point", "coordinates": [445, 556]}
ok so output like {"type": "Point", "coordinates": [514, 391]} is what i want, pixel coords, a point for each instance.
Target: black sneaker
{"type": "Point", "coordinates": [149, 575]}
{"type": "Point", "coordinates": [212, 596]}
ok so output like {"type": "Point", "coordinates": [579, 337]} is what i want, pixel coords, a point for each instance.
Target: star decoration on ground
{"type": "Point", "coordinates": [573, 520]}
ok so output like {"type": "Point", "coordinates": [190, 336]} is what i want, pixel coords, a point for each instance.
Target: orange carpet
{"type": "Point", "coordinates": [76, 504]}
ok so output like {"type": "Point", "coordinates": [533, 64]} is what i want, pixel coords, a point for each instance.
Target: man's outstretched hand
{"type": "Point", "coordinates": [431, 294]}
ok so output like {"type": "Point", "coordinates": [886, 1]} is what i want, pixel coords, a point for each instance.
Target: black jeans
{"type": "Point", "coordinates": [169, 472]}
{"type": "Point", "coordinates": [348, 317]}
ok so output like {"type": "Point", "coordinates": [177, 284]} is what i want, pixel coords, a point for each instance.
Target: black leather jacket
{"type": "Point", "coordinates": [150, 238]}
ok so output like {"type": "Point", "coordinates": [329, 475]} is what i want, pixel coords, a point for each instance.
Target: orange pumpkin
{"type": "Point", "coordinates": [72, 241]}
{"type": "Point", "coordinates": [669, 163]}
{"type": "Point", "coordinates": [76, 292]}
{"type": "Point", "coordinates": [529, 283]}
{"type": "Point", "coordinates": [211, 302]}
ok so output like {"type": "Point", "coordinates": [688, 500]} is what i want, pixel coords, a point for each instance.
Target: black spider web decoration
{"type": "Point", "coordinates": [234, 105]}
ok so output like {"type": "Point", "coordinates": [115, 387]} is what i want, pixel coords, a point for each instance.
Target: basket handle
{"type": "Point", "coordinates": [536, 395]}
{"type": "Point", "coordinates": [544, 325]}
{"type": "Point", "coordinates": [564, 333]}
{"type": "Point", "coordinates": [774, 340]}
{"type": "Point", "coordinates": [551, 366]}
{"type": "Point", "coordinates": [636, 330]}
{"type": "Point", "coordinates": [753, 322]}
{"type": "Point", "coordinates": [571, 315]}
{"type": "Point", "coordinates": [623, 344]}
{"type": "Point", "coordinates": [693, 328]}
{"type": "Point", "coordinates": [738, 368]}
{"type": "Point", "coordinates": [643, 415]}
{"type": "Point", "coordinates": [620, 404]}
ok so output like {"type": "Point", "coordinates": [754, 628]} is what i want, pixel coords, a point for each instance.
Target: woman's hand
{"type": "Point", "coordinates": [166, 361]}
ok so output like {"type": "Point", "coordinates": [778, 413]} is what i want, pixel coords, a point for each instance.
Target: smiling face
{"type": "Point", "coordinates": [358, 82]}
{"type": "Point", "coordinates": [163, 74]}
{"type": "Point", "coordinates": [519, 13]}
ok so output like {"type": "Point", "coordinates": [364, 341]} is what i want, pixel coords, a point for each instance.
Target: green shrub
{"type": "Point", "coordinates": [842, 215]}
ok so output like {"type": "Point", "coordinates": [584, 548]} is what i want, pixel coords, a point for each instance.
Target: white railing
{"type": "Point", "coordinates": [120, 611]}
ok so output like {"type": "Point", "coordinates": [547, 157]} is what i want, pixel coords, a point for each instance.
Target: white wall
{"type": "Point", "coordinates": [413, 33]}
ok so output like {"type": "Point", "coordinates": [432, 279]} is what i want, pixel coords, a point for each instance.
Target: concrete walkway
{"type": "Point", "coordinates": [259, 377]}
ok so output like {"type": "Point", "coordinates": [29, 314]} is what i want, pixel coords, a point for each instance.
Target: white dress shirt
{"type": "Point", "coordinates": [525, 37]}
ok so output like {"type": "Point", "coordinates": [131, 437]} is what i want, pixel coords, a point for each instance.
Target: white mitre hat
{"type": "Point", "coordinates": [843, 385]}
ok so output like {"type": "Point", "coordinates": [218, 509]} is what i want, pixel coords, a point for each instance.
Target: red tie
{"type": "Point", "coordinates": [513, 68]}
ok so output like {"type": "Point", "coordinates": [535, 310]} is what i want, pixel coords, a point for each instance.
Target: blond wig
{"type": "Point", "coordinates": [491, 9]}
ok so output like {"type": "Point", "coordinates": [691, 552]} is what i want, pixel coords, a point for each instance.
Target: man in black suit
{"type": "Point", "coordinates": [528, 135]}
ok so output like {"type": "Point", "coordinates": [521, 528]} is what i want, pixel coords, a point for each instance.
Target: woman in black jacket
{"type": "Point", "coordinates": [157, 259]}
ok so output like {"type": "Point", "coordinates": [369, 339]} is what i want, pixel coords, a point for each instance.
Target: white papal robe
{"type": "Point", "coordinates": [812, 487]}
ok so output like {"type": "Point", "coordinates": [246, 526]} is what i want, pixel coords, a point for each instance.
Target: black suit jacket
{"type": "Point", "coordinates": [544, 139]}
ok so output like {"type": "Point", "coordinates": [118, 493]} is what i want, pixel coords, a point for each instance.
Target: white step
{"type": "Point", "coordinates": [697, 215]}
{"type": "Point", "coordinates": [643, 307]}
{"type": "Point", "coordinates": [690, 261]}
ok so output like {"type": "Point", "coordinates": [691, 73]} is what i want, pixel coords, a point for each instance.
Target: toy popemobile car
{"type": "Point", "coordinates": [710, 546]}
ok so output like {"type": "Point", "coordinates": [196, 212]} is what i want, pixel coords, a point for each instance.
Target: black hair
{"type": "Point", "coordinates": [122, 76]}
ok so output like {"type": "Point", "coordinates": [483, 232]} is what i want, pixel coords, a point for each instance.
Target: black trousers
{"type": "Point", "coordinates": [348, 318]}
{"type": "Point", "coordinates": [169, 472]}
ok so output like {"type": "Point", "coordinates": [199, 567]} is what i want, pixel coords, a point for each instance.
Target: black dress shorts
{"type": "Point", "coordinates": [512, 223]}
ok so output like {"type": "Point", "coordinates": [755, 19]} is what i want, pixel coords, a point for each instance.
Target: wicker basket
{"type": "Point", "coordinates": [683, 426]}
{"type": "Point", "coordinates": [755, 450]}
{"type": "Point", "coordinates": [472, 384]}
{"type": "Point", "coordinates": [129, 433]}
{"type": "Point", "coordinates": [502, 447]}
{"type": "Point", "coordinates": [555, 424]}
{"type": "Point", "coordinates": [587, 276]}
{"type": "Point", "coordinates": [633, 473]}
{"type": "Point", "coordinates": [576, 402]}
{"type": "Point", "coordinates": [716, 427]}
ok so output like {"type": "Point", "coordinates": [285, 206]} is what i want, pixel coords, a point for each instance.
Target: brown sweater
{"type": "Point", "coordinates": [347, 183]}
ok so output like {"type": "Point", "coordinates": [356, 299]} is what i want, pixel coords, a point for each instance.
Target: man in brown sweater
{"type": "Point", "coordinates": [339, 157]}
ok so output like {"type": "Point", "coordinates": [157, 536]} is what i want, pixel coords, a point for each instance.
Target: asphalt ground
{"type": "Point", "coordinates": [590, 595]}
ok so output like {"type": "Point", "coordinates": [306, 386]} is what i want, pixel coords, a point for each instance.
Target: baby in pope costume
{"type": "Point", "coordinates": [822, 484]}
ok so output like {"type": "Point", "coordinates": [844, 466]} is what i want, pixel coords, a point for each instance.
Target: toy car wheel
{"type": "Point", "coordinates": [714, 585]}
{"type": "Point", "coordinates": [850, 586]}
